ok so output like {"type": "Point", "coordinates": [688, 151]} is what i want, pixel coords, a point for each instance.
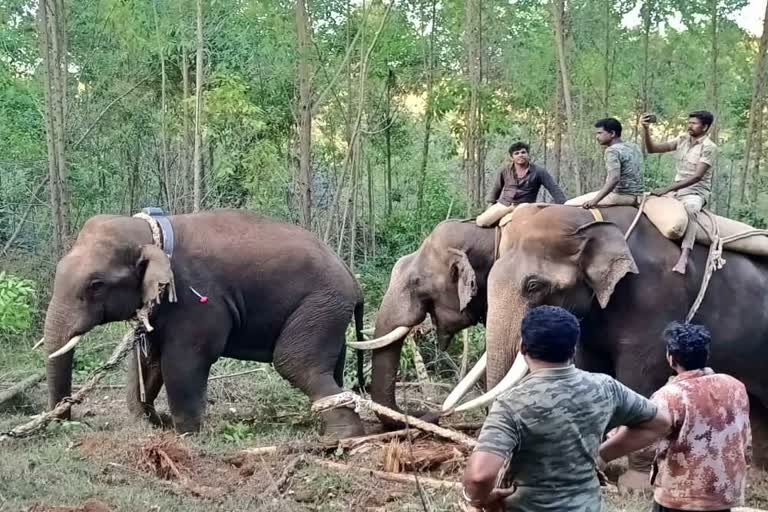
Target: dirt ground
{"type": "Point", "coordinates": [105, 462]}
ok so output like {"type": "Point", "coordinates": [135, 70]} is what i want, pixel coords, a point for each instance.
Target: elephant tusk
{"type": "Point", "coordinates": [37, 345]}
{"type": "Point", "coordinates": [513, 376]}
{"type": "Point", "coordinates": [466, 383]}
{"type": "Point", "coordinates": [66, 348]}
{"type": "Point", "coordinates": [383, 341]}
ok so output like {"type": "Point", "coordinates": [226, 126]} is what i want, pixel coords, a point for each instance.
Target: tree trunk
{"type": "Point", "coordinates": [388, 138]}
{"type": "Point", "coordinates": [559, 19]}
{"type": "Point", "coordinates": [198, 177]}
{"type": "Point", "coordinates": [607, 64]}
{"type": "Point", "coordinates": [756, 108]}
{"type": "Point", "coordinates": [558, 136]}
{"type": "Point", "coordinates": [472, 131]}
{"type": "Point", "coordinates": [163, 109]}
{"type": "Point", "coordinates": [53, 45]}
{"type": "Point", "coordinates": [305, 116]}
{"type": "Point", "coordinates": [714, 98]}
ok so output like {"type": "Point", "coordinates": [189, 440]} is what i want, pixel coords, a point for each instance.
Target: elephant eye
{"type": "Point", "coordinates": [533, 285]}
{"type": "Point", "coordinates": [96, 285]}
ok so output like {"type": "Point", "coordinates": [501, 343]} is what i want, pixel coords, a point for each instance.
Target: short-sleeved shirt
{"type": "Point", "coordinates": [626, 160]}
{"type": "Point", "coordinates": [702, 464]}
{"type": "Point", "coordinates": [508, 189]}
{"type": "Point", "coordinates": [551, 426]}
{"type": "Point", "coordinates": [688, 153]}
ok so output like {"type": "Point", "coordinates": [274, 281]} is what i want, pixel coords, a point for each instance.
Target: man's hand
{"type": "Point", "coordinates": [494, 502]}
{"type": "Point", "coordinates": [588, 204]}
{"type": "Point", "coordinates": [647, 119]}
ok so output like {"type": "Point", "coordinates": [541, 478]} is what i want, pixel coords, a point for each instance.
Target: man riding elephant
{"type": "Point", "coordinates": [575, 258]}
{"type": "Point", "coordinates": [517, 182]}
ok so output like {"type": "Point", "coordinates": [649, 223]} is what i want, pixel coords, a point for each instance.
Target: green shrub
{"type": "Point", "coordinates": [16, 304]}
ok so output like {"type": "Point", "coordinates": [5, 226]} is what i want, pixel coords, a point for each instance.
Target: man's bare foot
{"type": "Point", "coordinates": [682, 263]}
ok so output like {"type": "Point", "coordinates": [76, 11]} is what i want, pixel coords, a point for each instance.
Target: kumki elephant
{"type": "Point", "coordinates": [445, 279]}
{"type": "Point", "coordinates": [624, 294]}
{"type": "Point", "coordinates": [246, 286]}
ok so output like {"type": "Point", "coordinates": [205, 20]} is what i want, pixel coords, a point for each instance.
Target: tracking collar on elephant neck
{"type": "Point", "coordinates": [162, 231]}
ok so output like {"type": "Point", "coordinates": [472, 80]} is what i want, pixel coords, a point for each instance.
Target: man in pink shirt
{"type": "Point", "coordinates": [702, 464]}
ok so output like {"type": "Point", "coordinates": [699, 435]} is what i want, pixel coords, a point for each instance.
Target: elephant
{"type": "Point", "coordinates": [445, 279]}
{"type": "Point", "coordinates": [247, 287]}
{"type": "Point", "coordinates": [563, 256]}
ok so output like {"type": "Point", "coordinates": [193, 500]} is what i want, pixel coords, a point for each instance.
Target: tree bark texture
{"type": "Point", "coordinates": [198, 176]}
{"type": "Point", "coordinates": [53, 48]}
{"type": "Point", "coordinates": [755, 113]}
{"type": "Point", "coordinates": [305, 115]}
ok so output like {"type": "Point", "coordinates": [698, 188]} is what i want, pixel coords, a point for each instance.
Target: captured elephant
{"type": "Point", "coordinates": [444, 278]}
{"type": "Point", "coordinates": [247, 287]}
{"type": "Point", "coordinates": [560, 255]}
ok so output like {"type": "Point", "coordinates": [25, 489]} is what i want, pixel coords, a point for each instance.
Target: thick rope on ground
{"type": "Point", "coordinates": [38, 423]}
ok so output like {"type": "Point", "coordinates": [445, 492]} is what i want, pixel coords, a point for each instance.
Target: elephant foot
{"type": "Point", "coordinates": [634, 480]}
{"type": "Point", "coordinates": [341, 423]}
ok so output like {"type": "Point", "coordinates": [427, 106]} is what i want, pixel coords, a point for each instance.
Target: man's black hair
{"type": "Point", "coordinates": [609, 124]}
{"type": "Point", "coordinates": [688, 344]}
{"type": "Point", "coordinates": [517, 146]}
{"type": "Point", "coordinates": [550, 334]}
{"type": "Point", "coordinates": [706, 117]}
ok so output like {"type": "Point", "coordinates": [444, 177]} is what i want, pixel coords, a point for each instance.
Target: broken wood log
{"type": "Point", "coordinates": [348, 398]}
{"type": "Point", "coordinates": [348, 443]}
{"type": "Point", "coordinates": [420, 456]}
{"type": "Point", "coordinates": [391, 477]}
{"type": "Point", "coordinates": [20, 387]}
{"type": "Point", "coordinates": [41, 421]}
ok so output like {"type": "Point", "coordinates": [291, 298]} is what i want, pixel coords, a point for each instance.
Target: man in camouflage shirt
{"type": "Point", "coordinates": [549, 427]}
{"type": "Point", "coordinates": [623, 168]}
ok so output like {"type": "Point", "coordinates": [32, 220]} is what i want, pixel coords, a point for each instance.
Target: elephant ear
{"type": "Point", "coordinates": [464, 275]}
{"type": "Point", "coordinates": [157, 274]}
{"type": "Point", "coordinates": [605, 258]}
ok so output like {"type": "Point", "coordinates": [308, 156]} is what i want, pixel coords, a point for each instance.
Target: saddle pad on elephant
{"type": "Point", "coordinates": [756, 245]}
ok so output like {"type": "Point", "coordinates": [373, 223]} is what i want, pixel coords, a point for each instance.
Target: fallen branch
{"type": "Point", "coordinates": [22, 386]}
{"type": "Point", "coordinates": [39, 422]}
{"type": "Point", "coordinates": [348, 398]}
{"type": "Point", "coordinates": [288, 472]}
{"type": "Point", "coordinates": [348, 443]}
{"type": "Point", "coordinates": [392, 477]}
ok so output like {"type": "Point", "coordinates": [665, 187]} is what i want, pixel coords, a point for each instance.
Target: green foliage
{"type": "Point", "coordinates": [16, 304]}
{"type": "Point", "coordinates": [237, 432]}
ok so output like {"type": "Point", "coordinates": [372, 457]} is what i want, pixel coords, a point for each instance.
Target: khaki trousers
{"type": "Point", "coordinates": [493, 214]}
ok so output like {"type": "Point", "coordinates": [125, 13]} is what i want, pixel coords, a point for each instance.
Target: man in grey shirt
{"type": "Point", "coordinates": [623, 168]}
{"type": "Point", "coordinates": [549, 427]}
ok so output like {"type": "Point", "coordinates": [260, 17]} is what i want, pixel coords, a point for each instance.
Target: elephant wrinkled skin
{"type": "Point", "coordinates": [561, 256]}
{"type": "Point", "coordinates": [275, 293]}
{"type": "Point", "coordinates": [444, 278]}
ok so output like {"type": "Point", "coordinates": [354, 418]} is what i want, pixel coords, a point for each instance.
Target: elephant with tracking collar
{"type": "Point", "coordinates": [247, 287]}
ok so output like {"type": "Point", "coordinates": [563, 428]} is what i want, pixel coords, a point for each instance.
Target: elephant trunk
{"type": "Point", "coordinates": [386, 360]}
{"type": "Point", "coordinates": [502, 340]}
{"type": "Point", "coordinates": [58, 369]}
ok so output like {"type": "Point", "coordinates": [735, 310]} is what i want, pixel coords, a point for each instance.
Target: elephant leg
{"type": "Point", "coordinates": [644, 380]}
{"type": "Point", "coordinates": [186, 383]}
{"type": "Point", "coordinates": [153, 383]}
{"type": "Point", "coordinates": [758, 418]}
{"type": "Point", "coordinates": [308, 354]}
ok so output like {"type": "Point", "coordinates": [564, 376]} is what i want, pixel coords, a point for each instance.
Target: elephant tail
{"type": "Point", "coordinates": [360, 353]}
